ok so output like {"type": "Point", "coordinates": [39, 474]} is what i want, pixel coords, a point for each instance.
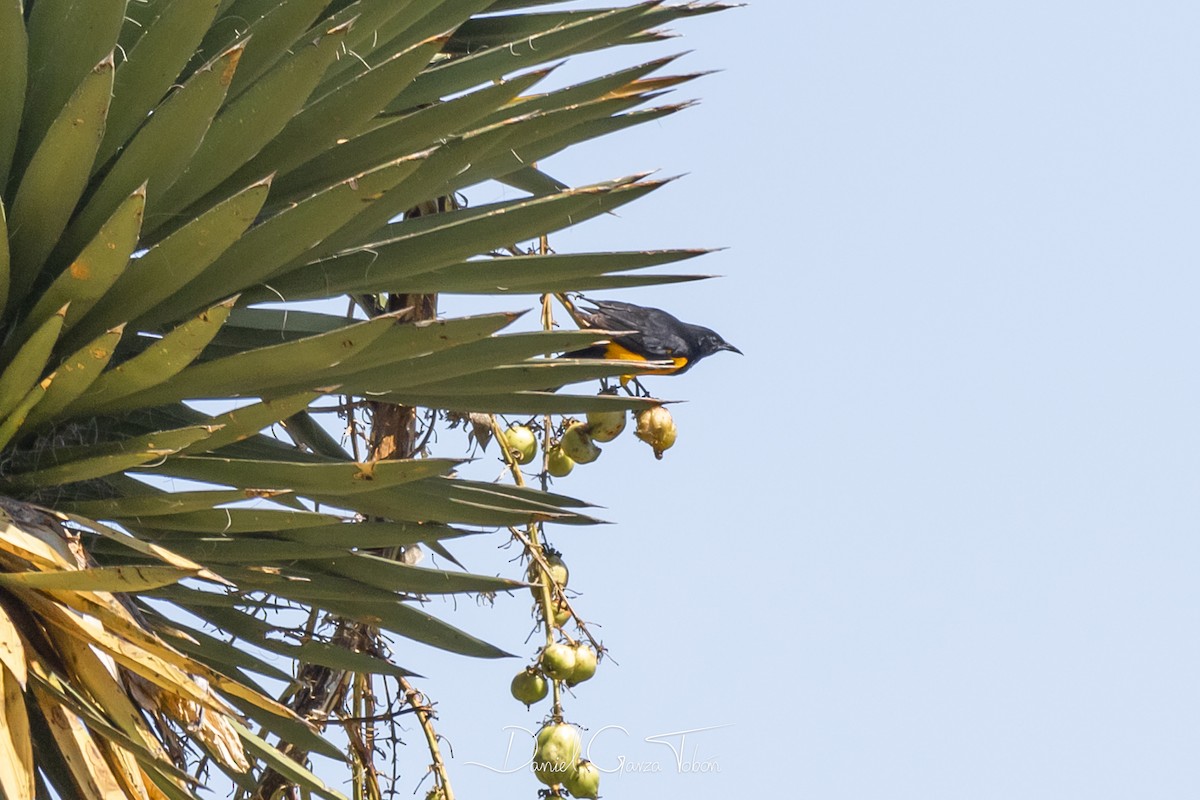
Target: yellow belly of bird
{"type": "Point", "coordinates": [618, 352]}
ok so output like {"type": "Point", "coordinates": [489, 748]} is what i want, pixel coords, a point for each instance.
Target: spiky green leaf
{"type": "Point", "coordinates": [161, 149]}
{"type": "Point", "coordinates": [93, 272]}
{"type": "Point", "coordinates": [14, 45]}
{"type": "Point", "coordinates": [172, 263]}
{"type": "Point", "coordinates": [445, 239]}
{"type": "Point", "coordinates": [55, 70]}
{"type": "Point", "coordinates": [29, 363]}
{"type": "Point", "coordinates": [248, 123]}
{"type": "Point", "coordinates": [153, 63]}
{"type": "Point", "coordinates": [160, 361]}
{"type": "Point", "coordinates": [88, 462]}
{"type": "Point", "coordinates": [76, 374]}
{"type": "Point", "coordinates": [57, 172]}
{"type": "Point", "coordinates": [331, 479]}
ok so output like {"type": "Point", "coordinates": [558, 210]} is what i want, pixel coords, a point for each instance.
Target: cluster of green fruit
{"type": "Point", "coordinates": [571, 663]}
{"type": "Point", "coordinates": [577, 445]}
{"type": "Point", "coordinates": [557, 761]}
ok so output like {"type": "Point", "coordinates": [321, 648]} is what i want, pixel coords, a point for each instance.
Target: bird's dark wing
{"type": "Point", "coordinates": [656, 334]}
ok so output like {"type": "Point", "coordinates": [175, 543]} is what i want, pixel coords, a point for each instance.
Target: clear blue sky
{"type": "Point", "coordinates": [940, 530]}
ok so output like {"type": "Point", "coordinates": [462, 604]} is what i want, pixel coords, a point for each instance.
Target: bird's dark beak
{"type": "Point", "coordinates": [728, 346]}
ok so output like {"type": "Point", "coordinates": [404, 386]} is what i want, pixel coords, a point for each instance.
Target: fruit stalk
{"type": "Point", "coordinates": [424, 711]}
{"type": "Point", "coordinates": [536, 552]}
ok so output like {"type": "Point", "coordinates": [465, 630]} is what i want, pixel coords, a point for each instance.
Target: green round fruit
{"type": "Point", "coordinates": [585, 664]}
{"type": "Point", "coordinates": [656, 428]}
{"type": "Point", "coordinates": [584, 781]}
{"type": "Point", "coordinates": [556, 755]}
{"type": "Point", "coordinates": [604, 426]}
{"type": "Point", "coordinates": [520, 443]}
{"type": "Point", "coordinates": [558, 661]}
{"type": "Point", "coordinates": [578, 446]}
{"type": "Point", "coordinates": [558, 463]}
{"type": "Point", "coordinates": [529, 686]}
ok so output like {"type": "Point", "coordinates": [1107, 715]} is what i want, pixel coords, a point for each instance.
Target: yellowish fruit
{"type": "Point", "coordinates": [556, 755]}
{"type": "Point", "coordinates": [584, 780]}
{"type": "Point", "coordinates": [558, 568]}
{"type": "Point", "coordinates": [578, 445]}
{"type": "Point", "coordinates": [520, 443]}
{"type": "Point", "coordinates": [585, 664]}
{"type": "Point", "coordinates": [562, 614]}
{"type": "Point", "coordinates": [529, 686]}
{"type": "Point", "coordinates": [558, 661]}
{"type": "Point", "coordinates": [656, 428]}
{"type": "Point", "coordinates": [604, 426]}
{"type": "Point", "coordinates": [558, 571]}
{"type": "Point", "coordinates": [558, 463]}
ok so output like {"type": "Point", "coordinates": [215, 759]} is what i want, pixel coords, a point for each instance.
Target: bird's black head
{"type": "Point", "coordinates": [709, 341]}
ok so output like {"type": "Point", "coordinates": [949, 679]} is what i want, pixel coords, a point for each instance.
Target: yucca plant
{"type": "Point", "coordinates": [174, 174]}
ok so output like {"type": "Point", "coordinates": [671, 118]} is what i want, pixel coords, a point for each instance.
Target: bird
{"type": "Point", "coordinates": [654, 335]}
